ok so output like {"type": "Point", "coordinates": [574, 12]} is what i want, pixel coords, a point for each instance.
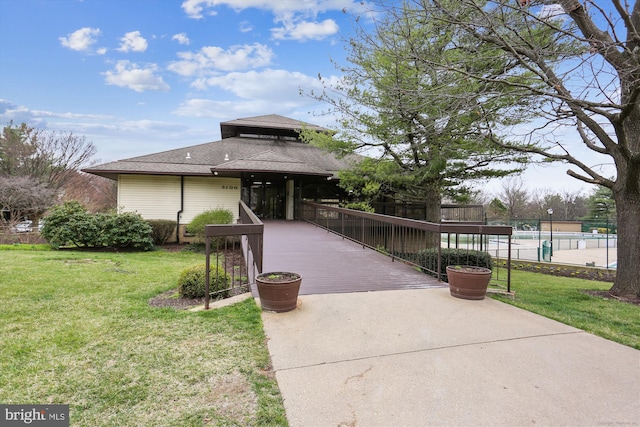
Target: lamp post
{"type": "Point", "coordinates": [607, 239]}
{"type": "Point", "coordinates": [550, 212]}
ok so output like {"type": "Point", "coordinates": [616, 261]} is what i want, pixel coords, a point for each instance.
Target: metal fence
{"type": "Point", "coordinates": [448, 212]}
{"type": "Point", "coordinates": [246, 235]}
{"type": "Point", "coordinates": [407, 239]}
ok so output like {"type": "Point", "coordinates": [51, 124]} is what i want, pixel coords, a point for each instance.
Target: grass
{"type": "Point", "coordinates": [76, 329]}
{"type": "Point", "coordinates": [25, 247]}
{"type": "Point", "coordinates": [563, 299]}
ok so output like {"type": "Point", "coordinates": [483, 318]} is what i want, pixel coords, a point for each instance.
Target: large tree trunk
{"type": "Point", "coordinates": [628, 271]}
{"type": "Point", "coordinates": [433, 202]}
{"type": "Point", "coordinates": [626, 191]}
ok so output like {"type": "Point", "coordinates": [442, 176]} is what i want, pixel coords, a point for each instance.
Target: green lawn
{"type": "Point", "coordinates": [563, 299]}
{"type": "Point", "coordinates": [76, 329]}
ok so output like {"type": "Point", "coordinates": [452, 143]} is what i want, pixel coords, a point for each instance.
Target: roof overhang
{"type": "Point", "coordinates": [272, 124]}
{"type": "Point", "coordinates": [269, 162]}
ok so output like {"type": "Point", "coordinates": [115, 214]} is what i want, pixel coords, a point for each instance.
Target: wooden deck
{"type": "Point", "coordinates": [330, 264]}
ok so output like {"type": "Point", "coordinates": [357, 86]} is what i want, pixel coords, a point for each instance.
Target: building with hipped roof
{"type": "Point", "coordinates": [259, 160]}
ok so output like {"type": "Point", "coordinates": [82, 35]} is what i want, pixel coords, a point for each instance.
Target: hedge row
{"type": "Point", "coordinates": [428, 259]}
{"type": "Point", "coordinates": [70, 224]}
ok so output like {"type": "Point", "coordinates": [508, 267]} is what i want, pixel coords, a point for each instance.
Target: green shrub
{"type": "Point", "coordinates": [428, 259]}
{"type": "Point", "coordinates": [125, 230]}
{"type": "Point", "coordinates": [360, 206]}
{"type": "Point", "coordinates": [214, 216]}
{"type": "Point", "coordinates": [161, 230]}
{"type": "Point", "coordinates": [70, 224]}
{"type": "Point", "coordinates": [191, 283]}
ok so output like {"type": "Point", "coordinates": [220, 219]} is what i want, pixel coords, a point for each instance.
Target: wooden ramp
{"type": "Point", "coordinates": [330, 264]}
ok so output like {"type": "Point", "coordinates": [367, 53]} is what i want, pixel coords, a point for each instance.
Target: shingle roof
{"type": "Point", "coordinates": [233, 154]}
{"type": "Point", "coordinates": [273, 122]}
{"type": "Point", "coordinates": [268, 161]}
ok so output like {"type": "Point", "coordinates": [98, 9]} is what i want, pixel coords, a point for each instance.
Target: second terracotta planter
{"type": "Point", "coordinates": [278, 291]}
{"type": "Point", "coordinates": [467, 281]}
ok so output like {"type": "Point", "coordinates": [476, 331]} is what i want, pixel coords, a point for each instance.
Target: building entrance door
{"type": "Point", "coordinates": [267, 199]}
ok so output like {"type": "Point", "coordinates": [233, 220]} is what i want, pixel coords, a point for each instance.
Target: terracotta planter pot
{"type": "Point", "coordinates": [468, 282]}
{"type": "Point", "coordinates": [278, 291]}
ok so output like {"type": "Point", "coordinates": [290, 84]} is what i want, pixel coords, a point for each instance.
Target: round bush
{"type": "Point", "coordinates": [214, 216]}
{"type": "Point", "coordinates": [125, 230]}
{"type": "Point", "coordinates": [161, 230]}
{"type": "Point", "coordinates": [191, 283]}
{"type": "Point", "coordinates": [71, 224]}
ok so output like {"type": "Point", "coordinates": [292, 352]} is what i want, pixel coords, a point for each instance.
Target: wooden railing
{"type": "Point", "coordinates": [248, 234]}
{"type": "Point", "coordinates": [406, 239]}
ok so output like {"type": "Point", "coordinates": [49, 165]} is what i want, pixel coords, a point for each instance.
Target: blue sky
{"type": "Point", "coordinates": [141, 76]}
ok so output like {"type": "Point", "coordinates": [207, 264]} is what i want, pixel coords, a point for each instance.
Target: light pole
{"type": "Point", "coordinates": [550, 212]}
{"type": "Point", "coordinates": [607, 237]}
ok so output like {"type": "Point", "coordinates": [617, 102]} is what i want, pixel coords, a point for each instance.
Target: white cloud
{"type": "Point", "coordinates": [115, 137]}
{"type": "Point", "coordinates": [305, 30]}
{"type": "Point", "coordinates": [195, 8]}
{"type": "Point", "coordinates": [245, 27]}
{"type": "Point", "coordinates": [19, 114]}
{"type": "Point", "coordinates": [212, 58]}
{"type": "Point", "coordinates": [181, 38]}
{"type": "Point", "coordinates": [127, 74]}
{"type": "Point", "coordinates": [253, 93]}
{"type": "Point", "coordinates": [206, 108]}
{"type": "Point", "coordinates": [82, 40]}
{"type": "Point", "coordinates": [278, 87]}
{"type": "Point", "coordinates": [133, 42]}
{"type": "Point", "coordinates": [297, 17]}
{"type": "Point", "coordinates": [551, 11]}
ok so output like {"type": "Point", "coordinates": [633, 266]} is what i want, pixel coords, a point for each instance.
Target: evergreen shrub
{"type": "Point", "coordinates": [428, 259]}
{"type": "Point", "coordinates": [161, 230]}
{"type": "Point", "coordinates": [360, 206]}
{"type": "Point", "coordinates": [213, 216]}
{"type": "Point", "coordinates": [191, 283]}
{"type": "Point", "coordinates": [70, 224]}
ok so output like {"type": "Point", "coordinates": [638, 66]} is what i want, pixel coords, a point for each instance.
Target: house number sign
{"type": "Point", "coordinates": [230, 187]}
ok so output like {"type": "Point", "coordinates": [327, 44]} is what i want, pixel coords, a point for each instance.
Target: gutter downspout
{"type": "Point", "coordinates": [181, 209]}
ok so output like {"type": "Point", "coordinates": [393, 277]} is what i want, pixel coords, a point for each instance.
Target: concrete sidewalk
{"type": "Point", "coordinates": [422, 357]}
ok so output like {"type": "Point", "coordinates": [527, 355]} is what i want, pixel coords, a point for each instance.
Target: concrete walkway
{"type": "Point", "coordinates": [421, 357]}
{"type": "Point", "coordinates": [414, 357]}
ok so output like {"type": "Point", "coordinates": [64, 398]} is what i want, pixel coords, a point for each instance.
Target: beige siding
{"type": "Point", "coordinates": [204, 193]}
{"type": "Point", "coordinates": [152, 196]}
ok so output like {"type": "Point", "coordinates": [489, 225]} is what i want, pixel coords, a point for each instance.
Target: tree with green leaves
{"type": "Point", "coordinates": [601, 204]}
{"type": "Point", "coordinates": [424, 131]}
{"type": "Point", "coordinates": [578, 63]}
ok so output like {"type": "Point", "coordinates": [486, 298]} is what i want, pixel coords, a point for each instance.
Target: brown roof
{"type": "Point", "coordinates": [257, 152]}
{"type": "Point", "coordinates": [273, 124]}
{"type": "Point", "coordinates": [268, 161]}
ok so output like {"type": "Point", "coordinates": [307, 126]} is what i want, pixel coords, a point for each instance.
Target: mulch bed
{"type": "Point", "coordinates": [171, 298]}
